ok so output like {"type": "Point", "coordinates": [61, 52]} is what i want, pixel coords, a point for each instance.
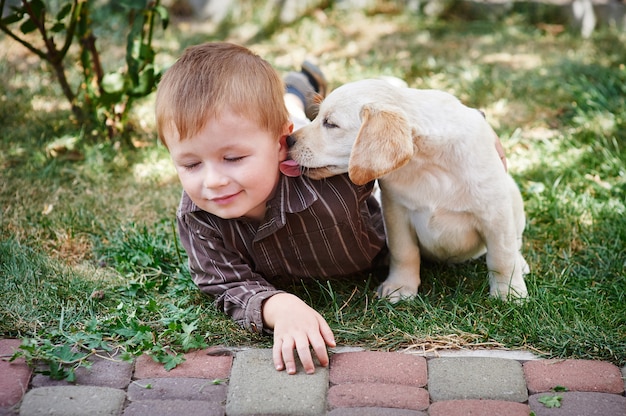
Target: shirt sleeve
{"type": "Point", "coordinates": [224, 274]}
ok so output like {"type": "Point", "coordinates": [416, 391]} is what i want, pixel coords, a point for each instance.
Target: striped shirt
{"type": "Point", "coordinates": [312, 228]}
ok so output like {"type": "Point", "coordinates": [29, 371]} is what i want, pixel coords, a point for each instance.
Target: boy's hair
{"type": "Point", "coordinates": [213, 77]}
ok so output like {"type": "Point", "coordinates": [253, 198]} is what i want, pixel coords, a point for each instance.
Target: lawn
{"type": "Point", "coordinates": [89, 258]}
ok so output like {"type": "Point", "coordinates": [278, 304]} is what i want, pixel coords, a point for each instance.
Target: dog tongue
{"type": "Point", "coordinates": [290, 168]}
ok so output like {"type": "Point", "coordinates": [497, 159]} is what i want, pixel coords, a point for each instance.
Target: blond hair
{"type": "Point", "coordinates": [214, 77]}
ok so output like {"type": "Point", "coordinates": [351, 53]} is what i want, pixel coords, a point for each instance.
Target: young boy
{"type": "Point", "coordinates": [220, 111]}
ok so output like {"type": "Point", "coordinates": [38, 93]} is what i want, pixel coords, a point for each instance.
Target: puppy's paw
{"type": "Point", "coordinates": [525, 266]}
{"type": "Point", "coordinates": [394, 293]}
{"type": "Point", "coordinates": [513, 292]}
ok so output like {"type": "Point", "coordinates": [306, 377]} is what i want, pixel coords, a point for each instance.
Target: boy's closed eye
{"type": "Point", "coordinates": [233, 158]}
{"type": "Point", "coordinates": [191, 166]}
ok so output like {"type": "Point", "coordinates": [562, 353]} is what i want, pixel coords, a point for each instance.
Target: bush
{"type": "Point", "coordinates": [99, 98]}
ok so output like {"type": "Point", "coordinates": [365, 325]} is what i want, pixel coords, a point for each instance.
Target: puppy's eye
{"type": "Point", "coordinates": [329, 124]}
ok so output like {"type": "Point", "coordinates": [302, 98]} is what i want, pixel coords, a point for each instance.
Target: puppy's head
{"type": "Point", "coordinates": [360, 129]}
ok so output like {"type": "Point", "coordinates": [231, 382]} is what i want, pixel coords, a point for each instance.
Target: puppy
{"type": "Point", "coordinates": [445, 193]}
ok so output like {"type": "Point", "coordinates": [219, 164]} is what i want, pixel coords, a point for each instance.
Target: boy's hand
{"type": "Point", "coordinates": [296, 326]}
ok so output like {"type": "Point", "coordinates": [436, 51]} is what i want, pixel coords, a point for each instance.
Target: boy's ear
{"type": "Point", "coordinates": [283, 147]}
{"type": "Point", "coordinates": [384, 144]}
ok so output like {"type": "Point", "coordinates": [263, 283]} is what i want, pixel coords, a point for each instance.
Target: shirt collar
{"type": "Point", "coordinates": [293, 194]}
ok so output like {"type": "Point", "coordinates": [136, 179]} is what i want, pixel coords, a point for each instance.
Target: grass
{"type": "Point", "coordinates": [89, 257]}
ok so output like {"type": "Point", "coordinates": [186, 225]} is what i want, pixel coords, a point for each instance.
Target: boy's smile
{"type": "Point", "coordinates": [230, 168]}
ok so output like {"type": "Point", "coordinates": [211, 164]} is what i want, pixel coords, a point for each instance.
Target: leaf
{"type": "Point", "coordinates": [65, 10]}
{"type": "Point", "coordinates": [113, 82]}
{"type": "Point", "coordinates": [551, 401]}
{"type": "Point", "coordinates": [28, 26]}
{"type": "Point", "coordinates": [57, 27]}
{"type": "Point", "coordinates": [171, 361]}
{"type": "Point", "coordinates": [559, 389]}
{"type": "Point", "coordinates": [65, 354]}
{"type": "Point", "coordinates": [12, 18]}
{"type": "Point", "coordinates": [38, 7]}
{"type": "Point", "coordinates": [164, 15]}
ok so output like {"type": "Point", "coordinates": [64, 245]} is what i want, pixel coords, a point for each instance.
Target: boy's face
{"type": "Point", "coordinates": [231, 167]}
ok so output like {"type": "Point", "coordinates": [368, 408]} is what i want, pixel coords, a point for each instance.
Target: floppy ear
{"type": "Point", "coordinates": [384, 143]}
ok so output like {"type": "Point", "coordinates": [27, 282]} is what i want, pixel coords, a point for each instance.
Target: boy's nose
{"type": "Point", "coordinates": [290, 141]}
{"type": "Point", "coordinates": [214, 178]}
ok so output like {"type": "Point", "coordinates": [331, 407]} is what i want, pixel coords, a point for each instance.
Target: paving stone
{"type": "Point", "coordinates": [478, 408]}
{"type": "Point", "coordinates": [14, 376]}
{"type": "Point", "coordinates": [177, 388]}
{"type": "Point", "coordinates": [377, 395]}
{"type": "Point", "coordinates": [173, 407]}
{"type": "Point", "coordinates": [104, 372]}
{"type": "Point", "coordinates": [73, 401]}
{"type": "Point", "coordinates": [374, 411]}
{"type": "Point", "coordinates": [580, 404]}
{"type": "Point", "coordinates": [198, 364]}
{"type": "Point", "coordinates": [576, 375]}
{"type": "Point", "coordinates": [378, 367]}
{"type": "Point", "coordinates": [476, 378]}
{"type": "Point", "coordinates": [255, 387]}
{"type": "Point", "coordinates": [624, 376]}
{"type": "Point", "coordinates": [517, 355]}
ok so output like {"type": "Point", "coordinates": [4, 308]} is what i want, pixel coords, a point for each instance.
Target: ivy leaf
{"type": "Point", "coordinates": [171, 361]}
{"type": "Point", "coordinates": [551, 401]}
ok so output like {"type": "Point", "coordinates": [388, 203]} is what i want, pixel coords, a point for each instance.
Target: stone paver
{"type": "Point", "coordinates": [374, 411]}
{"type": "Point", "coordinates": [364, 383]}
{"type": "Point", "coordinates": [104, 372]}
{"type": "Point", "coordinates": [177, 388]}
{"type": "Point", "coordinates": [256, 387]}
{"type": "Point", "coordinates": [476, 378]}
{"type": "Point", "coordinates": [378, 395]}
{"type": "Point", "coordinates": [15, 376]}
{"type": "Point", "coordinates": [173, 407]}
{"type": "Point", "coordinates": [73, 401]}
{"type": "Point", "coordinates": [575, 375]}
{"type": "Point", "coordinates": [198, 364]}
{"type": "Point", "coordinates": [580, 404]}
{"type": "Point", "coordinates": [478, 408]}
{"type": "Point", "coordinates": [378, 367]}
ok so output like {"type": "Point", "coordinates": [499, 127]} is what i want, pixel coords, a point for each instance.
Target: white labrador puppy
{"type": "Point", "coordinates": [445, 193]}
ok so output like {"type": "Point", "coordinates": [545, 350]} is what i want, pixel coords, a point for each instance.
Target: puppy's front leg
{"type": "Point", "coordinates": [404, 267]}
{"type": "Point", "coordinates": [506, 265]}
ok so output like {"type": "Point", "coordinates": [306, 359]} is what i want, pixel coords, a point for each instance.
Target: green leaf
{"type": "Point", "coordinates": [164, 15]}
{"type": "Point", "coordinates": [28, 26]}
{"type": "Point", "coordinates": [113, 82]}
{"type": "Point", "coordinates": [66, 354]}
{"type": "Point", "coordinates": [57, 27]}
{"type": "Point", "coordinates": [146, 53]}
{"type": "Point", "coordinates": [65, 10]}
{"type": "Point", "coordinates": [171, 361]}
{"type": "Point", "coordinates": [559, 388]}
{"type": "Point", "coordinates": [551, 401]}
{"type": "Point", "coordinates": [12, 18]}
{"type": "Point", "coordinates": [38, 7]}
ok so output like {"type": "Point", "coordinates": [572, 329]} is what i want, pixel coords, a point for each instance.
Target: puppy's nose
{"type": "Point", "coordinates": [290, 141]}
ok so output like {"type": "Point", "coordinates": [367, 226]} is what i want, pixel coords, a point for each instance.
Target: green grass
{"type": "Point", "coordinates": [89, 256]}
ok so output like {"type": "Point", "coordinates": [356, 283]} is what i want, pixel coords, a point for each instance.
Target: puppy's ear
{"type": "Point", "coordinates": [384, 143]}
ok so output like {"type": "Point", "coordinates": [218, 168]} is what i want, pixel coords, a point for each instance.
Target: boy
{"type": "Point", "coordinates": [246, 215]}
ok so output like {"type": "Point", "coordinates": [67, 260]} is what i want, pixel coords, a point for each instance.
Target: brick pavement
{"type": "Point", "coordinates": [244, 382]}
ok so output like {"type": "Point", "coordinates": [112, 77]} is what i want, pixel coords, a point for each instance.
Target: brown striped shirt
{"type": "Point", "coordinates": [312, 228]}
